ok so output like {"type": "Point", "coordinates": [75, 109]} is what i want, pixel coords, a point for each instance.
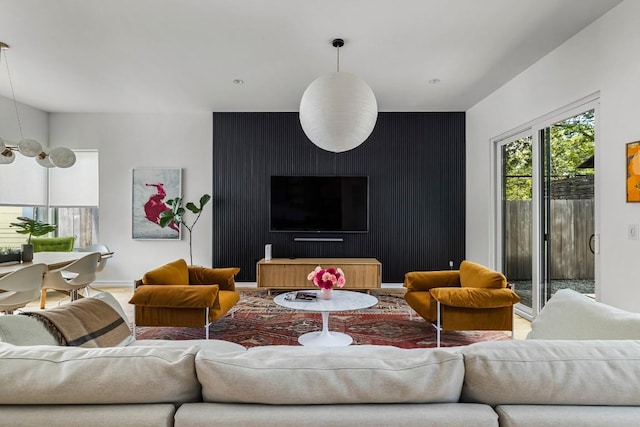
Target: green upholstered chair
{"type": "Point", "coordinates": [53, 244]}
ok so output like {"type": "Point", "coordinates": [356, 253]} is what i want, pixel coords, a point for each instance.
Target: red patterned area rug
{"type": "Point", "coordinates": [258, 321]}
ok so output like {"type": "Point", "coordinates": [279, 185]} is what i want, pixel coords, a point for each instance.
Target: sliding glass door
{"type": "Point", "coordinates": [545, 224]}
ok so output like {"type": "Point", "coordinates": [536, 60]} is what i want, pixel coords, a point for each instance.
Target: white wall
{"type": "Point", "coordinates": [34, 122]}
{"type": "Point", "coordinates": [128, 141]}
{"type": "Point", "coordinates": [603, 57]}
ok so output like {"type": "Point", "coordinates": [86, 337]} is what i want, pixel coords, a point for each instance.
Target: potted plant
{"type": "Point", "coordinates": [32, 227]}
{"type": "Point", "coordinates": [175, 214]}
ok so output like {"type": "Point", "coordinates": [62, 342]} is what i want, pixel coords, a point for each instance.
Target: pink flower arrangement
{"type": "Point", "coordinates": [327, 278]}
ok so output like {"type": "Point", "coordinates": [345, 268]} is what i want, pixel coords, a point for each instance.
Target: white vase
{"type": "Point", "coordinates": [326, 293]}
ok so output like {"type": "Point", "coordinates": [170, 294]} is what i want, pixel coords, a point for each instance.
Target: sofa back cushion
{"type": "Point", "coordinates": [569, 315]}
{"type": "Point", "coordinates": [474, 275]}
{"type": "Point", "coordinates": [53, 244]}
{"type": "Point", "coordinates": [541, 372]}
{"type": "Point", "coordinates": [307, 376]}
{"type": "Point", "coordinates": [174, 273]}
{"type": "Point", "coordinates": [72, 375]}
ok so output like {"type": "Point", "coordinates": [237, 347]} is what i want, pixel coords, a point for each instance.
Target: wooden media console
{"type": "Point", "coordinates": [291, 273]}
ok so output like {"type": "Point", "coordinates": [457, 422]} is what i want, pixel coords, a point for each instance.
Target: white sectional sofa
{"type": "Point", "coordinates": [508, 383]}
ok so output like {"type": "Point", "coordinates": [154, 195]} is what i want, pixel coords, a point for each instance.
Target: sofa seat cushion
{"type": "Point", "coordinates": [177, 296]}
{"type": "Point", "coordinates": [173, 273]}
{"type": "Point", "coordinates": [161, 414]}
{"type": "Point", "coordinates": [541, 372]}
{"type": "Point", "coordinates": [358, 374]}
{"type": "Point", "coordinates": [564, 415]}
{"type": "Point", "coordinates": [475, 297]}
{"type": "Point", "coordinates": [423, 304]}
{"type": "Point", "coordinates": [405, 415]}
{"type": "Point", "coordinates": [72, 375]}
{"type": "Point", "coordinates": [569, 315]}
{"type": "Point", "coordinates": [474, 275]}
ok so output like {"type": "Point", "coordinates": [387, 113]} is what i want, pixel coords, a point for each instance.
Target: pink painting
{"type": "Point", "coordinates": [151, 190]}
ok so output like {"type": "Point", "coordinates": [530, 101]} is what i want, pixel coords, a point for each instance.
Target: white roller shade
{"type": "Point", "coordinates": [76, 186]}
{"type": "Point", "coordinates": [23, 183]}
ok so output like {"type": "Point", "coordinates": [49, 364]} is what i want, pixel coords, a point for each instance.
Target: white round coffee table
{"type": "Point", "coordinates": [341, 301]}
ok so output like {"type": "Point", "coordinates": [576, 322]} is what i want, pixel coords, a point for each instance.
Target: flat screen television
{"type": "Point", "coordinates": [320, 204]}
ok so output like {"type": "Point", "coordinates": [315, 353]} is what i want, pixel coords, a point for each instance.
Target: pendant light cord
{"type": "Point", "coordinates": [338, 59]}
{"type": "Point", "coordinates": [13, 94]}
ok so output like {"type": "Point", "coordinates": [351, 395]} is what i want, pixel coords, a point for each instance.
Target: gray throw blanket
{"type": "Point", "coordinates": [87, 322]}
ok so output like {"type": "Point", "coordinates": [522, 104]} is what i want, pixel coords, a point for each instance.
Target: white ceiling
{"type": "Point", "coordinates": [183, 55]}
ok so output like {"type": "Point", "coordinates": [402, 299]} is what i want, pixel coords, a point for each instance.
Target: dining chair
{"type": "Point", "coordinates": [104, 251]}
{"type": "Point", "coordinates": [19, 288]}
{"type": "Point", "coordinates": [72, 277]}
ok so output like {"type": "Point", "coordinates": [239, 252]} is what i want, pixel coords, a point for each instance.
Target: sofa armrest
{"type": "Point", "coordinates": [425, 280]}
{"type": "Point", "coordinates": [475, 297]}
{"type": "Point", "coordinates": [176, 296]}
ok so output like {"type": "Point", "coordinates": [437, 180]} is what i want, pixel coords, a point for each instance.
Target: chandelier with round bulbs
{"type": "Point", "coordinates": [47, 157]}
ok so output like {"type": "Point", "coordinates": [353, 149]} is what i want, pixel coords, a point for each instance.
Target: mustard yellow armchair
{"type": "Point", "coordinates": [471, 298]}
{"type": "Point", "coordinates": [180, 295]}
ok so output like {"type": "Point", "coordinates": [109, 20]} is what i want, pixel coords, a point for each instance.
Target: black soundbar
{"type": "Point", "coordinates": [318, 239]}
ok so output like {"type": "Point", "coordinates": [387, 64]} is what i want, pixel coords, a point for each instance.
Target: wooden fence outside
{"type": "Point", "coordinates": [571, 230]}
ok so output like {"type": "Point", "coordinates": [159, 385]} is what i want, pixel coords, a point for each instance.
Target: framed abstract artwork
{"type": "Point", "coordinates": [633, 172]}
{"type": "Point", "coordinates": [151, 188]}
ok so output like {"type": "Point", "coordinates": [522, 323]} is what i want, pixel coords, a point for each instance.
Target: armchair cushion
{"type": "Point", "coordinates": [176, 296]}
{"type": "Point", "coordinates": [174, 273]}
{"type": "Point", "coordinates": [425, 280]}
{"type": "Point", "coordinates": [223, 277]}
{"type": "Point", "coordinates": [475, 297]}
{"type": "Point", "coordinates": [474, 275]}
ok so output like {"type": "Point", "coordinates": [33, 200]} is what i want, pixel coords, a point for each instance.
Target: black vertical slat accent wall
{"type": "Point", "coordinates": [416, 168]}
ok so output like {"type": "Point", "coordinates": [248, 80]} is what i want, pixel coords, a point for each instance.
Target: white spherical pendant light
{"type": "Point", "coordinates": [338, 111]}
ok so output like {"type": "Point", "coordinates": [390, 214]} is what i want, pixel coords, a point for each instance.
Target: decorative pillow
{"type": "Point", "coordinates": [113, 302]}
{"type": "Point", "coordinates": [223, 277]}
{"type": "Point", "coordinates": [474, 275]}
{"type": "Point", "coordinates": [569, 315]}
{"type": "Point", "coordinates": [24, 330]}
{"type": "Point", "coordinates": [174, 273]}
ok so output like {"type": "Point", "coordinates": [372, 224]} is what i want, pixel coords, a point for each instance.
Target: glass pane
{"type": "Point", "coordinates": [569, 201]}
{"type": "Point", "coordinates": [517, 190]}
{"type": "Point", "coordinates": [82, 223]}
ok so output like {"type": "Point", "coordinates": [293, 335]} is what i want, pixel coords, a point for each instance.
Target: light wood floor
{"type": "Point", "coordinates": [123, 293]}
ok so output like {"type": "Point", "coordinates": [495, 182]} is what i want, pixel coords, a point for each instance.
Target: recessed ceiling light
{"type": "Point", "coordinates": [434, 81]}
{"type": "Point", "coordinates": [238, 81]}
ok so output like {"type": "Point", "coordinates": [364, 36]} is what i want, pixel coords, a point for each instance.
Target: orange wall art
{"type": "Point", "coordinates": [633, 171]}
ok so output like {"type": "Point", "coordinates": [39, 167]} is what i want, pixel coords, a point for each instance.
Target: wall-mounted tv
{"type": "Point", "coordinates": [320, 204]}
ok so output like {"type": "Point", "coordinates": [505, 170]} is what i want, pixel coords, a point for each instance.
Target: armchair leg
{"type": "Point", "coordinates": [206, 323]}
{"type": "Point", "coordinates": [438, 326]}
